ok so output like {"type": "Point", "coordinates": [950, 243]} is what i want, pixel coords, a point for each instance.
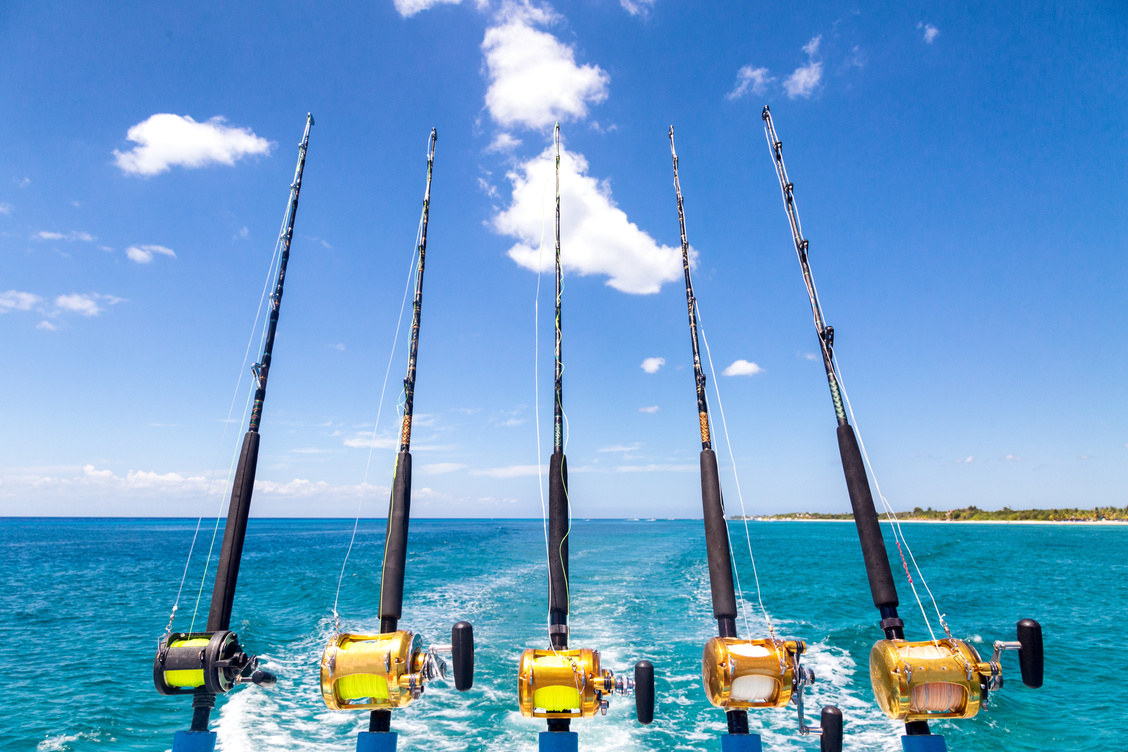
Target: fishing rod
{"type": "Point", "coordinates": [559, 684]}
{"type": "Point", "coordinates": [913, 682]}
{"type": "Point", "coordinates": [389, 670]}
{"type": "Point", "coordinates": [209, 663]}
{"type": "Point", "coordinates": [740, 673]}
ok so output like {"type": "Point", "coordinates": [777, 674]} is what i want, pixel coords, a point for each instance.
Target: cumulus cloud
{"type": "Point", "coordinates": [806, 78]}
{"type": "Point", "coordinates": [534, 78]}
{"type": "Point", "coordinates": [69, 236]}
{"type": "Point", "coordinates": [650, 409]}
{"type": "Point", "coordinates": [930, 32]}
{"type": "Point", "coordinates": [366, 441]}
{"type": "Point", "coordinates": [659, 468]}
{"type": "Point", "coordinates": [143, 254]}
{"type": "Point", "coordinates": [166, 140]}
{"type": "Point", "coordinates": [14, 300]}
{"type": "Point", "coordinates": [5, 208]}
{"type": "Point", "coordinates": [651, 365]}
{"type": "Point", "coordinates": [503, 142]}
{"type": "Point", "coordinates": [749, 79]}
{"type": "Point", "coordinates": [87, 304]}
{"type": "Point", "coordinates": [637, 7]}
{"type": "Point", "coordinates": [512, 471]}
{"type": "Point", "coordinates": [596, 236]}
{"type": "Point", "coordinates": [47, 326]}
{"type": "Point", "coordinates": [441, 468]}
{"type": "Point", "coordinates": [742, 367]}
{"type": "Point", "coordinates": [408, 8]}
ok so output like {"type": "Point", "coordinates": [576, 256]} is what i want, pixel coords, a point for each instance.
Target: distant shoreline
{"type": "Point", "coordinates": [936, 521]}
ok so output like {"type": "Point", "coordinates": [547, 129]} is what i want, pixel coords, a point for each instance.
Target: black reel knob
{"type": "Point", "coordinates": [1030, 654]}
{"type": "Point", "coordinates": [831, 724]}
{"type": "Point", "coordinates": [644, 691]}
{"type": "Point", "coordinates": [462, 655]}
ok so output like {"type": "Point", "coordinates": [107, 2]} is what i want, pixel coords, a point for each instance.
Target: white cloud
{"type": "Point", "coordinates": [651, 365]}
{"type": "Point", "coordinates": [502, 142]}
{"type": "Point", "coordinates": [596, 235]}
{"type": "Point", "coordinates": [621, 448]}
{"type": "Point", "coordinates": [365, 441]}
{"type": "Point", "coordinates": [166, 140]}
{"type": "Point", "coordinates": [513, 471]}
{"type": "Point", "coordinates": [742, 367]}
{"type": "Point", "coordinates": [749, 79]}
{"type": "Point", "coordinates": [71, 236]}
{"type": "Point", "coordinates": [5, 208]}
{"type": "Point", "coordinates": [534, 78]}
{"type": "Point", "coordinates": [85, 304]}
{"type": "Point", "coordinates": [14, 300]}
{"type": "Point", "coordinates": [408, 8]}
{"type": "Point", "coordinates": [243, 234]}
{"type": "Point", "coordinates": [805, 79]}
{"type": "Point", "coordinates": [651, 409]}
{"type": "Point", "coordinates": [488, 188]}
{"type": "Point", "coordinates": [1013, 458]}
{"type": "Point", "coordinates": [339, 346]}
{"type": "Point", "coordinates": [441, 468]}
{"type": "Point", "coordinates": [24, 183]}
{"type": "Point", "coordinates": [143, 254]}
{"type": "Point", "coordinates": [930, 32]}
{"type": "Point", "coordinates": [637, 7]}
{"type": "Point", "coordinates": [47, 326]}
{"type": "Point", "coordinates": [661, 468]}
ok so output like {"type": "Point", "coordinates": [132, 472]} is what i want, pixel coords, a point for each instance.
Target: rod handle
{"type": "Point", "coordinates": [1030, 658]}
{"type": "Point", "coordinates": [831, 725]}
{"type": "Point", "coordinates": [462, 655]}
{"type": "Point", "coordinates": [644, 691]}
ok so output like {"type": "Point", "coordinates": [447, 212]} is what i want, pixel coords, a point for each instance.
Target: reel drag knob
{"type": "Point", "coordinates": [1030, 658]}
{"type": "Point", "coordinates": [831, 725]}
{"type": "Point", "coordinates": [462, 655]}
{"type": "Point", "coordinates": [644, 691]}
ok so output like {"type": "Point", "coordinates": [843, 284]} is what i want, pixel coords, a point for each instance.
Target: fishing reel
{"type": "Point", "coordinates": [741, 674]}
{"type": "Point", "coordinates": [922, 681]}
{"type": "Point", "coordinates": [572, 684]}
{"type": "Point", "coordinates": [385, 671]}
{"type": "Point", "coordinates": [187, 661]}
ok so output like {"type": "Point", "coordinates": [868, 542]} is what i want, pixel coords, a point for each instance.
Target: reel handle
{"type": "Point", "coordinates": [1030, 658]}
{"type": "Point", "coordinates": [644, 691]}
{"type": "Point", "coordinates": [831, 725]}
{"type": "Point", "coordinates": [462, 655]}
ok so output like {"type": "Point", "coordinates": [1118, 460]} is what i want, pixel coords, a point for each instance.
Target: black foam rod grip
{"type": "Point", "coordinates": [716, 539]}
{"type": "Point", "coordinates": [395, 541]}
{"type": "Point", "coordinates": [831, 723]}
{"type": "Point", "coordinates": [231, 553]}
{"type": "Point", "coordinates": [1030, 654]}
{"type": "Point", "coordinates": [462, 655]}
{"type": "Point", "coordinates": [644, 691]}
{"type": "Point", "coordinates": [865, 517]}
{"type": "Point", "coordinates": [558, 538]}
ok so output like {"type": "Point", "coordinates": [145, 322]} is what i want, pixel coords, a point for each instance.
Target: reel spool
{"type": "Point", "coordinates": [922, 681]}
{"type": "Point", "coordinates": [213, 661]}
{"type": "Point", "coordinates": [386, 671]}
{"type": "Point", "coordinates": [572, 684]}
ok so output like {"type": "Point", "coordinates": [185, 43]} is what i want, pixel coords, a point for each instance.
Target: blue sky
{"type": "Point", "coordinates": [960, 172]}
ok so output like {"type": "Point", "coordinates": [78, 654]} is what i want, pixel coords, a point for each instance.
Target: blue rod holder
{"type": "Point", "coordinates": [376, 741]}
{"type": "Point", "coordinates": [741, 743]}
{"type": "Point", "coordinates": [929, 743]}
{"type": "Point", "coordinates": [193, 741]}
{"type": "Point", "coordinates": [559, 741]}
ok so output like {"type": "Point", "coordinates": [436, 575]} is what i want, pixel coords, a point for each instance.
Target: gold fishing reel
{"type": "Point", "coordinates": [213, 661]}
{"type": "Point", "coordinates": [922, 681]}
{"type": "Point", "coordinates": [386, 671]}
{"type": "Point", "coordinates": [741, 674]}
{"type": "Point", "coordinates": [573, 684]}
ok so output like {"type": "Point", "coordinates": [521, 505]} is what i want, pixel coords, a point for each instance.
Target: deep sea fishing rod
{"type": "Point", "coordinates": [913, 682]}
{"type": "Point", "coordinates": [389, 670]}
{"type": "Point", "coordinates": [739, 673]}
{"type": "Point", "coordinates": [209, 663]}
{"type": "Point", "coordinates": [559, 683]}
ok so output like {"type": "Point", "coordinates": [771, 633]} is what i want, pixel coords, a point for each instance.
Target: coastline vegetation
{"type": "Point", "coordinates": [975, 514]}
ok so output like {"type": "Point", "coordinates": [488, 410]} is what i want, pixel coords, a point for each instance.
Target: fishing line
{"type": "Point", "coordinates": [536, 383]}
{"type": "Point", "coordinates": [411, 269]}
{"type": "Point", "coordinates": [898, 535]}
{"type": "Point", "coordinates": [223, 437]}
{"type": "Point", "coordinates": [739, 493]}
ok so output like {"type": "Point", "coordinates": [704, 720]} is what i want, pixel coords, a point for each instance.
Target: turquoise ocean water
{"type": "Point", "coordinates": [84, 602]}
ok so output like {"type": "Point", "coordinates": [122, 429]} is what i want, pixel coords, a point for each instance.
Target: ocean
{"type": "Point", "coordinates": [85, 600]}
